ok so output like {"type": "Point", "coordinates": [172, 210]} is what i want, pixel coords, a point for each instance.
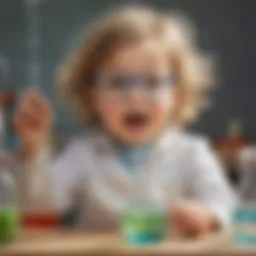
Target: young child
{"type": "Point", "coordinates": [137, 79]}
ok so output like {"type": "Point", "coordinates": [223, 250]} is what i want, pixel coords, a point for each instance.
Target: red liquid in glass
{"type": "Point", "coordinates": [40, 220]}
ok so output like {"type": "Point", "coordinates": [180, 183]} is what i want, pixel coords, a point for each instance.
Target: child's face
{"type": "Point", "coordinates": [134, 93]}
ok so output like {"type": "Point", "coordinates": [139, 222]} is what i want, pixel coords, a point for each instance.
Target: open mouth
{"type": "Point", "coordinates": [136, 120]}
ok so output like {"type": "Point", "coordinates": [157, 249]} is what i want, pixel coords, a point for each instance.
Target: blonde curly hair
{"type": "Point", "coordinates": [128, 26]}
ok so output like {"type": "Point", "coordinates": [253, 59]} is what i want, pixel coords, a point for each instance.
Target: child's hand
{"type": "Point", "coordinates": [32, 123]}
{"type": "Point", "coordinates": [192, 219]}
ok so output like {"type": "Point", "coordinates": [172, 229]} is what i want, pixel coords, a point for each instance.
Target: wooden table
{"type": "Point", "coordinates": [94, 243]}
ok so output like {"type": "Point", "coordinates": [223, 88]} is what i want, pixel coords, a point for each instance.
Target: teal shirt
{"type": "Point", "coordinates": [132, 156]}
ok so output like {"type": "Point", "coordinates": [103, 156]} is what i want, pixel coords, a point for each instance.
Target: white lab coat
{"type": "Point", "coordinates": [179, 167]}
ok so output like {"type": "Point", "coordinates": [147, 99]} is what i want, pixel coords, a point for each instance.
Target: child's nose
{"type": "Point", "coordinates": [135, 93]}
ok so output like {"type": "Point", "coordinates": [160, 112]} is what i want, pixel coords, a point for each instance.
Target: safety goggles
{"type": "Point", "coordinates": [117, 84]}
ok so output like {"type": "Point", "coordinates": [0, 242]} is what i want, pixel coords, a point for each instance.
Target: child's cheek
{"type": "Point", "coordinates": [164, 106]}
{"type": "Point", "coordinates": [110, 112]}
{"type": "Point", "coordinates": [106, 106]}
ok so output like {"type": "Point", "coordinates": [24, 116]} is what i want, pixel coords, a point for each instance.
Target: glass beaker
{"type": "Point", "coordinates": [8, 207]}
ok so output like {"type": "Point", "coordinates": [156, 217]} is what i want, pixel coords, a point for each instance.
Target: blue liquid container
{"type": "Point", "coordinates": [244, 224]}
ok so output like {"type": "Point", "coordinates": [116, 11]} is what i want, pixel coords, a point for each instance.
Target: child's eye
{"type": "Point", "coordinates": [117, 83]}
{"type": "Point", "coordinates": [158, 82]}
{"type": "Point", "coordinates": [152, 83]}
{"type": "Point", "coordinates": [110, 81]}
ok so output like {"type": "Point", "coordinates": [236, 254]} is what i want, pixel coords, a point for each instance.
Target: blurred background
{"type": "Point", "coordinates": [37, 34]}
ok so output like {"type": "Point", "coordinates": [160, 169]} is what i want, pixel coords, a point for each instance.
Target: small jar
{"type": "Point", "coordinates": [244, 232]}
{"type": "Point", "coordinates": [8, 207]}
{"type": "Point", "coordinates": [244, 217]}
{"type": "Point", "coordinates": [143, 222]}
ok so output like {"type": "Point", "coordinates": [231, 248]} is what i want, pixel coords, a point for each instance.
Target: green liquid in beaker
{"type": "Point", "coordinates": [8, 223]}
{"type": "Point", "coordinates": [144, 227]}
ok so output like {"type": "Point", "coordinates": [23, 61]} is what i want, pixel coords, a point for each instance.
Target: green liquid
{"type": "Point", "coordinates": [8, 223]}
{"type": "Point", "coordinates": [143, 227]}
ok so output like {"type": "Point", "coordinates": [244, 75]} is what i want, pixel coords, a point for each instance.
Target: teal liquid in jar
{"type": "Point", "coordinates": [244, 225]}
{"type": "Point", "coordinates": [143, 223]}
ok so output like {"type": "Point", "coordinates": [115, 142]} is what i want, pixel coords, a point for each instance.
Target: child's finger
{"type": "Point", "coordinates": [26, 121]}
{"type": "Point", "coordinates": [34, 107]}
{"type": "Point", "coordinates": [32, 117]}
{"type": "Point", "coordinates": [40, 104]}
{"type": "Point", "coordinates": [19, 124]}
{"type": "Point", "coordinates": [190, 219]}
{"type": "Point", "coordinates": [39, 114]}
{"type": "Point", "coordinates": [28, 106]}
{"type": "Point", "coordinates": [29, 122]}
{"type": "Point", "coordinates": [34, 101]}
